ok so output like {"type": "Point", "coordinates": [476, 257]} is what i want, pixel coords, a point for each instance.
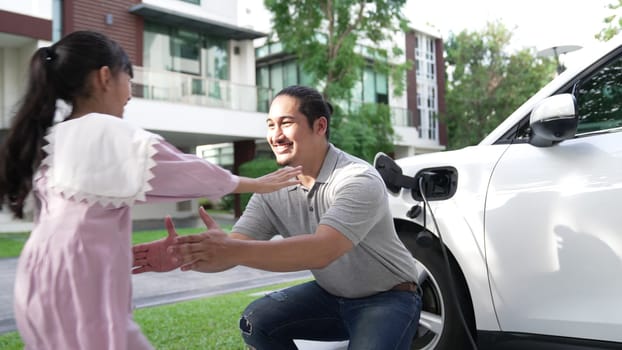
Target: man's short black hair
{"type": "Point", "coordinates": [311, 103]}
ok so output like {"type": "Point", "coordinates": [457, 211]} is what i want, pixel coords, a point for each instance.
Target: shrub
{"type": "Point", "coordinates": [255, 168]}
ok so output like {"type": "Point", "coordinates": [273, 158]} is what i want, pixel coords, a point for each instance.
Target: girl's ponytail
{"type": "Point", "coordinates": [21, 152]}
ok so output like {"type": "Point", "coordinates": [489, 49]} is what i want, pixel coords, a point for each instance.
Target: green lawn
{"type": "Point", "coordinates": [11, 243]}
{"type": "Point", "coordinates": [206, 324]}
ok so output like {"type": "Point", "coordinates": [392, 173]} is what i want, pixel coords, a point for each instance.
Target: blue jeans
{"type": "Point", "coordinates": [384, 321]}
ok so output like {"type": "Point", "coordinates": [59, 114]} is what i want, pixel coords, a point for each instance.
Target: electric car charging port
{"type": "Point", "coordinates": [436, 183]}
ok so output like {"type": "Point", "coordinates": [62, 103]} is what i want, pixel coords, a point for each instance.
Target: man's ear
{"type": "Point", "coordinates": [321, 124]}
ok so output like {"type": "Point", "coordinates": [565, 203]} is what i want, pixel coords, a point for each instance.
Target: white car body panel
{"type": "Point", "coordinates": [554, 257]}
{"type": "Point", "coordinates": [462, 216]}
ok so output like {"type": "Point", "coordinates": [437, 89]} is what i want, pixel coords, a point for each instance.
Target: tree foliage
{"type": "Point", "coordinates": [368, 134]}
{"type": "Point", "coordinates": [334, 40]}
{"type": "Point", "coordinates": [327, 37]}
{"type": "Point", "coordinates": [486, 83]}
{"type": "Point", "coordinates": [613, 22]}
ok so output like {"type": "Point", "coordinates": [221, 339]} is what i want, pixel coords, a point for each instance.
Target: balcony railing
{"type": "Point", "coordinates": [399, 116]}
{"type": "Point", "coordinates": [191, 89]}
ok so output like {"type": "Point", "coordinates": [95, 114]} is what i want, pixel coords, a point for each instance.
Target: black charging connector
{"type": "Point", "coordinates": [436, 184]}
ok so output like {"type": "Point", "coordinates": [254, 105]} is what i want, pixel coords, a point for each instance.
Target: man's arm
{"type": "Point", "coordinates": [215, 251]}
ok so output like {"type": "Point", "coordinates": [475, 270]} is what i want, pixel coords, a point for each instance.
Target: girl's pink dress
{"type": "Point", "coordinates": [73, 284]}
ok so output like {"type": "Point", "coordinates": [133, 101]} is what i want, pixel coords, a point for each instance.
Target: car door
{"type": "Point", "coordinates": [553, 223]}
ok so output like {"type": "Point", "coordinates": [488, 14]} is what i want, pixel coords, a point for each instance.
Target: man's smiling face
{"type": "Point", "coordinates": [289, 134]}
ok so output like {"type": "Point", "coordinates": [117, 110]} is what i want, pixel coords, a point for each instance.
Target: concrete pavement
{"type": "Point", "coordinates": [152, 289]}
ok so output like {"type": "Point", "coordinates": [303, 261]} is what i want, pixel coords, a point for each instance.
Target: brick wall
{"type": "Point", "coordinates": [411, 78]}
{"type": "Point", "coordinates": [440, 79]}
{"type": "Point", "coordinates": [125, 28]}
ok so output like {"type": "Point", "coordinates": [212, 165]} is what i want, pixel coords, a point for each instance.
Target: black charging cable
{"type": "Point", "coordinates": [422, 189]}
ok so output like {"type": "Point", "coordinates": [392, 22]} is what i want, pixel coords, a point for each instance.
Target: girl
{"type": "Point", "coordinates": [73, 285]}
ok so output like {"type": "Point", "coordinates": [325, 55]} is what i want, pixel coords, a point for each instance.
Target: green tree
{"type": "Point", "coordinates": [367, 135]}
{"type": "Point", "coordinates": [326, 37]}
{"type": "Point", "coordinates": [486, 83]}
{"type": "Point", "coordinates": [613, 22]}
{"type": "Point", "coordinates": [333, 42]}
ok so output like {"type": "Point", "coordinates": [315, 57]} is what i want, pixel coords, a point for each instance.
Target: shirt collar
{"type": "Point", "coordinates": [329, 165]}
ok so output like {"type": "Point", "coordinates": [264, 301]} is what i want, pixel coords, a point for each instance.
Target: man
{"type": "Point", "coordinates": [336, 223]}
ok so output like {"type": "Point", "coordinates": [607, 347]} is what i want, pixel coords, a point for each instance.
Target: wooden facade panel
{"type": "Point", "coordinates": [111, 18]}
{"type": "Point", "coordinates": [28, 26]}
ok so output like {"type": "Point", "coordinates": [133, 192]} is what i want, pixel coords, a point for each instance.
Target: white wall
{"type": "Point", "coordinates": [160, 115]}
{"type": "Point", "coordinates": [242, 68]}
{"type": "Point", "coordinates": [34, 8]}
{"type": "Point", "coordinates": [13, 77]}
{"type": "Point", "coordinates": [215, 10]}
{"type": "Point", "coordinates": [252, 14]}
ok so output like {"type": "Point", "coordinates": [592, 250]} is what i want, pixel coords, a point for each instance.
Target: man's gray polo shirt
{"type": "Point", "coordinates": [349, 196]}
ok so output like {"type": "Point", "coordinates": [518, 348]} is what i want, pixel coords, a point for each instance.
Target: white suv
{"type": "Point", "coordinates": [521, 240]}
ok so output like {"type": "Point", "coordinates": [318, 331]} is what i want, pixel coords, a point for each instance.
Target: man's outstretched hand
{"type": "Point", "coordinates": [152, 256]}
{"type": "Point", "coordinates": [210, 251]}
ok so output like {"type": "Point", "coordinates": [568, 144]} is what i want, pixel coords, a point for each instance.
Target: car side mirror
{"type": "Point", "coordinates": [553, 120]}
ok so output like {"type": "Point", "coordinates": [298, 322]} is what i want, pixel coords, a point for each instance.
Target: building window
{"type": "Point", "coordinates": [425, 56]}
{"type": "Point", "coordinates": [263, 89]}
{"type": "Point", "coordinates": [57, 20]}
{"type": "Point", "coordinates": [427, 102]}
{"type": "Point", "coordinates": [427, 106]}
{"type": "Point", "coordinates": [282, 74]}
{"type": "Point", "coordinates": [276, 77]}
{"type": "Point", "coordinates": [185, 51]}
{"type": "Point", "coordinates": [269, 49]}
{"type": "Point", "coordinates": [221, 154]}
{"type": "Point", "coordinates": [372, 88]}
{"type": "Point", "coordinates": [290, 73]}
{"type": "Point", "coordinates": [216, 58]}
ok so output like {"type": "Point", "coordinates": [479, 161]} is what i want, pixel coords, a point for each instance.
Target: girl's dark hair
{"type": "Point", "coordinates": [56, 72]}
{"type": "Point", "coordinates": [311, 103]}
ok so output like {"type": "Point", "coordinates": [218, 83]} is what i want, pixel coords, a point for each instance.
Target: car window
{"type": "Point", "coordinates": [599, 99]}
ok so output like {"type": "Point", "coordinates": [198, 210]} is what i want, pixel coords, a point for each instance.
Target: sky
{"type": "Point", "coordinates": [535, 23]}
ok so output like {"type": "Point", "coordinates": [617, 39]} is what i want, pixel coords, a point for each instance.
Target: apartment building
{"type": "Point", "coordinates": [414, 114]}
{"type": "Point", "coordinates": [199, 79]}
